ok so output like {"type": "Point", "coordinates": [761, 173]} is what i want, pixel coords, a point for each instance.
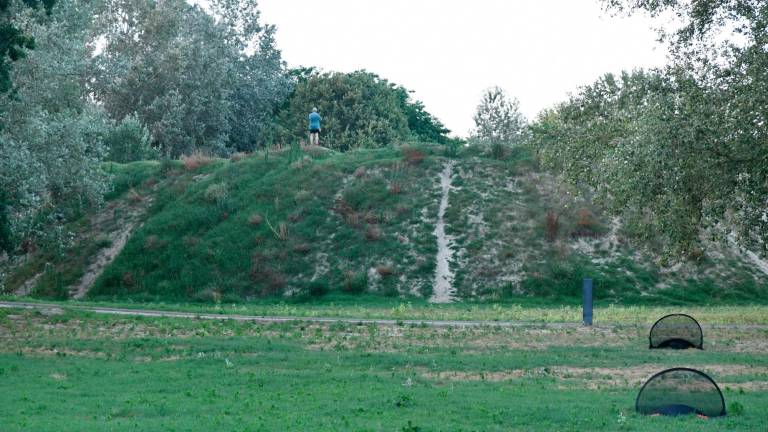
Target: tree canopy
{"type": "Point", "coordinates": [359, 110]}
{"type": "Point", "coordinates": [680, 151]}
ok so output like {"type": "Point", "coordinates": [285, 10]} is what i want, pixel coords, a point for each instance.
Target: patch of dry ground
{"type": "Point", "coordinates": [594, 378]}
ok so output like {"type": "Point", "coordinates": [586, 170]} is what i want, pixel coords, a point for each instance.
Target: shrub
{"type": "Point", "coordinates": [385, 271]}
{"type": "Point", "coordinates": [413, 156]}
{"type": "Point", "coordinates": [318, 288]}
{"type": "Point", "coordinates": [217, 193]}
{"type": "Point", "coordinates": [255, 219]}
{"type": "Point", "coordinates": [129, 141]}
{"type": "Point", "coordinates": [237, 157]}
{"type": "Point", "coordinates": [355, 282]}
{"type": "Point", "coordinates": [373, 233]}
{"type": "Point", "coordinates": [195, 160]}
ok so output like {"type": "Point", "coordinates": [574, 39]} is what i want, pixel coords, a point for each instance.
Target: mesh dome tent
{"type": "Point", "coordinates": [680, 391]}
{"type": "Point", "coordinates": [676, 331]}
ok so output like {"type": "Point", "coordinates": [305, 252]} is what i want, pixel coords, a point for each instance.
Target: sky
{"type": "Point", "coordinates": [449, 51]}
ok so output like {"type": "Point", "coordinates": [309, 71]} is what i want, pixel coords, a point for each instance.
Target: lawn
{"type": "Point", "coordinates": [73, 370]}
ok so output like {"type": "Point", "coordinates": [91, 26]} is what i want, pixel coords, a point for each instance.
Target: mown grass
{"type": "Point", "coordinates": [85, 372]}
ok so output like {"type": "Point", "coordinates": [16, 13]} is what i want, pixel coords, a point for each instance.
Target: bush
{"type": "Point", "coordinates": [195, 160]}
{"type": "Point", "coordinates": [318, 288]}
{"type": "Point", "coordinates": [217, 193]}
{"type": "Point", "coordinates": [413, 156]}
{"type": "Point", "coordinates": [129, 141]}
{"type": "Point", "coordinates": [355, 282]}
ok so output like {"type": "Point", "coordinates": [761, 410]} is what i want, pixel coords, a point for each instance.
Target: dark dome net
{"type": "Point", "coordinates": [677, 331]}
{"type": "Point", "coordinates": [680, 391]}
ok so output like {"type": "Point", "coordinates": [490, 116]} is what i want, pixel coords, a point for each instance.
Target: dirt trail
{"type": "Point", "coordinates": [28, 286]}
{"type": "Point", "coordinates": [116, 223]}
{"type": "Point", "coordinates": [442, 290]}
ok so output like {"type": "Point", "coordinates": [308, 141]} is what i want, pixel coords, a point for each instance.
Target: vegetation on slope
{"type": "Point", "coordinates": [290, 225]}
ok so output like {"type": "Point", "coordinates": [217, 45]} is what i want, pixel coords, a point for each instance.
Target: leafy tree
{"type": "Point", "coordinates": [14, 42]}
{"type": "Point", "coordinates": [196, 78]}
{"type": "Point", "coordinates": [168, 63]}
{"type": "Point", "coordinates": [359, 109]}
{"type": "Point", "coordinates": [51, 149]}
{"type": "Point", "coordinates": [128, 141]}
{"type": "Point", "coordinates": [423, 126]}
{"type": "Point", "coordinates": [719, 82]}
{"type": "Point", "coordinates": [261, 87]}
{"type": "Point", "coordinates": [498, 121]}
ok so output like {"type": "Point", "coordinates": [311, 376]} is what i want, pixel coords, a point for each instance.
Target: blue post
{"type": "Point", "coordinates": [587, 306]}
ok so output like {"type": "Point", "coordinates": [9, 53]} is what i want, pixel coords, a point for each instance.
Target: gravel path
{"type": "Point", "coordinates": [362, 321]}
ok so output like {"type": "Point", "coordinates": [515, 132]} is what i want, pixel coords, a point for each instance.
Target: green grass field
{"type": "Point", "coordinates": [76, 371]}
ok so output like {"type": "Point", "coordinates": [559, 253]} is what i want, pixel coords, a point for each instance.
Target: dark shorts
{"type": "Point", "coordinates": [314, 131]}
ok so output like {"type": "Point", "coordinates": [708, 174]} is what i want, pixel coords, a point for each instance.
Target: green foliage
{"type": "Point", "coordinates": [13, 41]}
{"type": "Point", "coordinates": [52, 144]}
{"type": "Point", "coordinates": [128, 141]}
{"type": "Point", "coordinates": [638, 141]}
{"type": "Point", "coordinates": [682, 150]}
{"type": "Point", "coordinates": [359, 110]}
{"type": "Point", "coordinates": [6, 243]}
{"type": "Point", "coordinates": [206, 92]}
{"type": "Point", "coordinates": [498, 122]}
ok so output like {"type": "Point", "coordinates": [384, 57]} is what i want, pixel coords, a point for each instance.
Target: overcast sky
{"type": "Point", "coordinates": [448, 51]}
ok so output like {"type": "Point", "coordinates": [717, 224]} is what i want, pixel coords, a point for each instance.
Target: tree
{"type": "Point", "coordinates": [718, 84]}
{"type": "Point", "coordinates": [128, 141]}
{"type": "Point", "coordinates": [423, 126]}
{"type": "Point", "coordinates": [51, 149]}
{"type": "Point", "coordinates": [14, 42]}
{"type": "Point", "coordinates": [197, 78]}
{"type": "Point", "coordinates": [261, 87]}
{"type": "Point", "coordinates": [359, 109]}
{"type": "Point", "coordinates": [498, 121]}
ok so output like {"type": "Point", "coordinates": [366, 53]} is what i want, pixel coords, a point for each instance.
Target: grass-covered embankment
{"type": "Point", "coordinates": [314, 225]}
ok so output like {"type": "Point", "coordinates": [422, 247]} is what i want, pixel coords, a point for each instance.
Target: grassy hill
{"type": "Point", "coordinates": [317, 223]}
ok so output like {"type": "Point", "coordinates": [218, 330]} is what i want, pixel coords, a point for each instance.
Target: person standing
{"type": "Point", "coordinates": [314, 127]}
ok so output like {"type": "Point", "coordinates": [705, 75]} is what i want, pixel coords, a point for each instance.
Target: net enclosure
{"type": "Point", "coordinates": [680, 391]}
{"type": "Point", "coordinates": [676, 331]}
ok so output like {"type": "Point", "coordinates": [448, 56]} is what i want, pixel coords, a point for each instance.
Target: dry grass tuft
{"type": "Point", "coordinates": [128, 279]}
{"type": "Point", "coordinates": [255, 219]}
{"type": "Point", "coordinates": [152, 242]}
{"type": "Point", "coordinates": [196, 160]}
{"type": "Point", "coordinates": [385, 271]}
{"type": "Point", "coordinates": [413, 156]}
{"type": "Point", "coordinates": [237, 157]}
{"type": "Point", "coordinates": [373, 233]}
{"type": "Point", "coordinates": [302, 248]}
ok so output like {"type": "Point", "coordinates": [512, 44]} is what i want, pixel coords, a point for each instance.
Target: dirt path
{"type": "Point", "coordinates": [116, 224]}
{"type": "Point", "coordinates": [53, 307]}
{"type": "Point", "coordinates": [442, 290]}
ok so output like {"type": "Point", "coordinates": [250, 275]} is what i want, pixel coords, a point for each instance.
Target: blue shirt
{"type": "Point", "coordinates": [314, 121]}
